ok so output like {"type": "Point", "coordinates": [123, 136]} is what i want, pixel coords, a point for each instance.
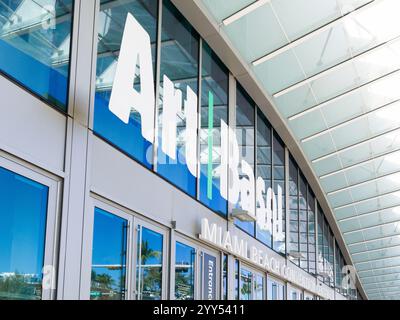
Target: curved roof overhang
{"type": "Point", "coordinates": [326, 74]}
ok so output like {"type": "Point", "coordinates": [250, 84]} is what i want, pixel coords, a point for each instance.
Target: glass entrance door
{"type": "Point", "coordinates": [128, 259]}
{"type": "Point", "coordinates": [295, 293]}
{"type": "Point", "coordinates": [109, 256]}
{"type": "Point", "coordinates": [150, 261]}
{"type": "Point", "coordinates": [276, 289]}
{"type": "Point", "coordinates": [251, 284]}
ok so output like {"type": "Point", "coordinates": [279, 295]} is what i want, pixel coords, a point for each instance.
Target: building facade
{"type": "Point", "coordinates": [136, 164]}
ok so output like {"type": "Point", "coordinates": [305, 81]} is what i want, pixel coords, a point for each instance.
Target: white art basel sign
{"type": "Point", "coordinates": [136, 51]}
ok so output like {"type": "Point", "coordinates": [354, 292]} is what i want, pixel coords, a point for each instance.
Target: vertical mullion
{"type": "Point", "coordinates": [232, 126]}
{"type": "Point", "coordinates": [287, 199]}
{"type": "Point", "coordinates": [271, 143]}
{"type": "Point", "coordinates": [255, 165]}
{"type": "Point", "coordinates": [307, 231]}
{"type": "Point", "coordinates": [199, 103]}
{"type": "Point", "coordinates": [298, 213]}
{"type": "Point", "coordinates": [157, 84]}
{"type": "Point", "coordinates": [316, 234]}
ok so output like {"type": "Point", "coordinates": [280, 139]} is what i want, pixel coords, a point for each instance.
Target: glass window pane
{"type": "Point", "coordinates": [246, 280]}
{"type": "Point", "coordinates": [294, 210]}
{"type": "Point", "coordinates": [303, 227]}
{"type": "Point", "coordinates": [311, 232]}
{"type": "Point", "coordinates": [258, 287]}
{"type": "Point", "coordinates": [149, 264]}
{"type": "Point", "coordinates": [245, 121]}
{"type": "Point", "coordinates": [237, 280]}
{"type": "Point", "coordinates": [331, 258]}
{"type": "Point", "coordinates": [179, 62]}
{"type": "Point", "coordinates": [279, 244]}
{"type": "Point", "coordinates": [112, 16]}
{"type": "Point", "coordinates": [23, 207]}
{"type": "Point", "coordinates": [184, 272]}
{"type": "Point", "coordinates": [108, 257]}
{"type": "Point", "coordinates": [275, 290]}
{"type": "Point", "coordinates": [214, 108]}
{"type": "Point", "coordinates": [225, 277]}
{"type": "Point", "coordinates": [338, 271]}
{"type": "Point", "coordinates": [35, 41]}
{"type": "Point", "coordinates": [320, 262]}
{"type": "Point", "coordinates": [264, 168]}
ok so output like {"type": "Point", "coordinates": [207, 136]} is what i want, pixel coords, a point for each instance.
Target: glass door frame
{"type": "Point", "coordinates": [198, 275]}
{"type": "Point", "coordinates": [97, 202]}
{"type": "Point", "coordinates": [279, 282]}
{"type": "Point", "coordinates": [51, 244]}
{"type": "Point", "coordinates": [134, 220]}
{"type": "Point", "coordinates": [291, 288]}
{"type": "Point", "coordinates": [254, 271]}
{"type": "Point", "coordinates": [141, 222]}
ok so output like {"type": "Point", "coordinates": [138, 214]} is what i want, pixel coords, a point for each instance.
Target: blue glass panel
{"type": "Point", "coordinates": [245, 121]}
{"type": "Point", "coordinates": [246, 284]}
{"type": "Point", "coordinates": [278, 159]}
{"type": "Point", "coordinates": [179, 62]}
{"type": "Point", "coordinates": [214, 108]}
{"type": "Point", "coordinates": [23, 209]}
{"type": "Point", "coordinates": [303, 228]}
{"type": "Point", "coordinates": [35, 41]}
{"type": "Point", "coordinates": [311, 232]}
{"type": "Point", "coordinates": [184, 272]}
{"type": "Point", "coordinates": [149, 265]}
{"type": "Point", "coordinates": [108, 257]}
{"type": "Point", "coordinates": [294, 209]}
{"type": "Point", "coordinates": [112, 17]}
{"type": "Point", "coordinates": [264, 167]}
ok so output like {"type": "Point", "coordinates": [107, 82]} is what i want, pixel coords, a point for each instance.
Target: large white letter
{"type": "Point", "coordinates": [135, 47]}
{"type": "Point", "coordinates": [208, 233]}
{"type": "Point", "coordinates": [223, 181]}
{"type": "Point", "coordinates": [191, 131]}
{"type": "Point", "coordinates": [261, 210]}
{"type": "Point", "coordinates": [234, 178]}
{"type": "Point", "coordinates": [247, 194]}
{"type": "Point", "coordinates": [171, 106]}
{"type": "Point", "coordinates": [278, 217]}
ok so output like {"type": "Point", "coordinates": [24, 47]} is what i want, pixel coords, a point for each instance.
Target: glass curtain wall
{"type": "Point", "coordinates": [264, 168]}
{"type": "Point", "coordinates": [244, 129]}
{"type": "Point", "coordinates": [327, 267]}
{"type": "Point", "coordinates": [303, 226]}
{"type": "Point", "coordinates": [111, 22]}
{"type": "Point", "coordinates": [294, 247]}
{"type": "Point", "coordinates": [338, 270]}
{"type": "Point", "coordinates": [331, 259]}
{"type": "Point", "coordinates": [180, 63]}
{"type": "Point", "coordinates": [35, 38]}
{"type": "Point", "coordinates": [311, 232]}
{"type": "Point", "coordinates": [320, 255]}
{"type": "Point", "coordinates": [278, 173]}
